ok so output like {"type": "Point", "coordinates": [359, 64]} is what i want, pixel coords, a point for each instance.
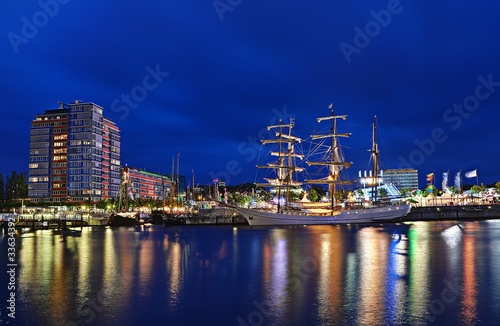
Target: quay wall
{"type": "Point", "coordinates": [468, 212]}
{"type": "Point", "coordinates": [223, 215]}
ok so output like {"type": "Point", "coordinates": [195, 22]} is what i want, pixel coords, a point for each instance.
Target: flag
{"type": "Point", "coordinates": [457, 182]}
{"type": "Point", "coordinates": [445, 181]}
{"type": "Point", "coordinates": [330, 106]}
{"type": "Point", "coordinates": [471, 174]}
{"type": "Point", "coordinates": [430, 177]}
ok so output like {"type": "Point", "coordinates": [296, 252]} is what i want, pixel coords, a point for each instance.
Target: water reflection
{"type": "Point", "coordinates": [419, 295]}
{"type": "Point", "coordinates": [397, 277]}
{"type": "Point", "coordinates": [324, 275]}
{"type": "Point", "coordinates": [469, 297]}
{"type": "Point", "coordinates": [331, 278]}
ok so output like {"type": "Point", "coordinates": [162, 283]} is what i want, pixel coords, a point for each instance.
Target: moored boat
{"type": "Point", "coordinates": [332, 211]}
{"type": "Point", "coordinates": [368, 215]}
{"type": "Point", "coordinates": [123, 219]}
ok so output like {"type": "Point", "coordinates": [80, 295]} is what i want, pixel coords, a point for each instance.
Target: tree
{"type": "Point", "coordinates": [265, 196]}
{"type": "Point", "coordinates": [2, 189]}
{"type": "Point", "coordinates": [16, 186]}
{"type": "Point", "coordinates": [404, 192]}
{"type": "Point", "coordinates": [497, 187]}
{"type": "Point", "coordinates": [382, 192]}
{"type": "Point", "coordinates": [476, 190]}
{"type": "Point", "coordinates": [359, 194]}
{"type": "Point", "coordinates": [313, 195]}
{"type": "Point", "coordinates": [429, 190]}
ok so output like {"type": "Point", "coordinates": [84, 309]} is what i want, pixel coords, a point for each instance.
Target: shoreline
{"type": "Point", "coordinates": [229, 216]}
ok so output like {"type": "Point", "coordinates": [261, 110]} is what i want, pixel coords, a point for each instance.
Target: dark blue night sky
{"type": "Point", "coordinates": [202, 78]}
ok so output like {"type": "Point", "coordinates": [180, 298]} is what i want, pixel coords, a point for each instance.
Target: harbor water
{"type": "Point", "coordinates": [417, 273]}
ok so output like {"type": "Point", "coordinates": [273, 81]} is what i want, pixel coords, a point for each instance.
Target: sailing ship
{"type": "Point", "coordinates": [123, 217]}
{"type": "Point", "coordinates": [329, 212]}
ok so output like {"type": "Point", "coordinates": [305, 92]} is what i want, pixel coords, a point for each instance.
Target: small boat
{"type": "Point", "coordinates": [330, 212]}
{"type": "Point", "coordinates": [123, 219]}
{"type": "Point", "coordinates": [174, 219]}
{"type": "Point", "coordinates": [157, 217]}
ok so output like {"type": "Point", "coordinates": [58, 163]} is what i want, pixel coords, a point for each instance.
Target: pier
{"type": "Point", "coordinates": [219, 216]}
{"type": "Point", "coordinates": [462, 212]}
{"type": "Point", "coordinates": [229, 216]}
{"type": "Point", "coordinates": [57, 221]}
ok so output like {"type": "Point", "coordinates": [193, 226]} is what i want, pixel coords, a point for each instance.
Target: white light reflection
{"type": "Point", "coordinates": [173, 266]}
{"type": "Point", "coordinates": [452, 235]}
{"type": "Point", "coordinates": [275, 272]}
{"type": "Point", "coordinates": [373, 253]}
{"type": "Point", "coordinates": [84, 266]}
{"type": "Point", "coordinates": [351, 284]}
{"type": "Point", "coordinates": [146, 260]}
{"type": "Point", "coordinates": [419, 257]}
{"type": "Point", "coordinates": [396, 279]}
{"type": "Point", "coordinates": [279, 275]}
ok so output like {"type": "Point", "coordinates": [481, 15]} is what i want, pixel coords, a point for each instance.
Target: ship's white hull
{"type": "Point", "coordinates": [368, 215]}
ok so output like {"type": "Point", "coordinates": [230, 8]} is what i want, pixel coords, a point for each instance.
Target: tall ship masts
{"type": "Point", "coordinates": [306, 212]}
{"type": "Point", "coordinates": [375, 162]}
{"type": "Point", "coordinates": [285, 165]}
{"type": "Point", "coordinates": [335, 162]}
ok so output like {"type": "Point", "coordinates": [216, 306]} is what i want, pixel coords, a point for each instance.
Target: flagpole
{"type": "Point", "coordinates": [477, 179]}
{"type": "Point", "coordinates": [447, 178]}
{"type": "Point", "coordinates": [461, 182]}
{"type": "Point", "coordinates": [433, 187]}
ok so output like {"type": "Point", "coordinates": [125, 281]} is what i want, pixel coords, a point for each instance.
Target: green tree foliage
{"type": "Point", "coordinates": [313, 195]}
{"type": "Point", "coordinates": [477, 189]}
{"type": "Point", "coordinates": [429, 190]}
{"type": "Point", "coordinates": [404, 192]}
{"type": "Point", "coordinates": [360, 194]}
{"type": "Point", "coordinates": [382, 192]}
{"type": "Point", "coordinates": [497, 187]}
{"type": "Point", "coordinates": [265, 196]}
{"type": "Point", "coordinates": [16, 186]}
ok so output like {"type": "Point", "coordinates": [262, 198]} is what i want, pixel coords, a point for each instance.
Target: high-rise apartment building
{"type": "Point", "coordinates": [74, 155]}
{"type": "Point", "coordinates": [401, 178]}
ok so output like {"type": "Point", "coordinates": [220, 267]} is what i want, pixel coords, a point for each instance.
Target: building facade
{"type": "Point", "coordinates": [148, 185]}
{"type": "Point", "coordinates": [401, 178]}
{"type": "Point", "coordinates": [74, 155]}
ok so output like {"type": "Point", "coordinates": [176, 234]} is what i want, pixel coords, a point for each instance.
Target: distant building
{"type": "Point", "coordinates": [180, 183]}
{"type": "Point", "coordinates": [401, 178]}
{"type": "Point", "coordinates": [74, 155]}
{"type": "Point", "coordinates": [149, 185]}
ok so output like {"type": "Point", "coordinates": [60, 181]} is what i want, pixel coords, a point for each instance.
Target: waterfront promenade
{"type": "Point", "coordinates": [229, 216]}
